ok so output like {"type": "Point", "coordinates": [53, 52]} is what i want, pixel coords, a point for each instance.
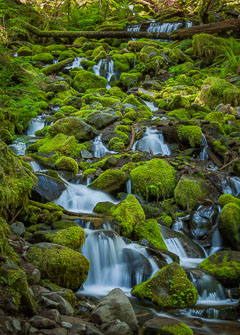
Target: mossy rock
{"type": "Point", "coordinates": [178, 101]}
{"type": "Point", "coordinates": [127, 214]}
{"type": "Point", "coordinates": [190, 134]}
{"type": "Point", "coordinates": [165, 326]}
{"type": "Point", "coordinates": [16, 285]}
{"type": "Point", "coordinates": [129, 80]}
{"type": "Point", "coordinates": [110, 181]}
{"type": "Point", "coordinates": [84, 80]}
{"type": "Point", "coordinates": [229, 224]}
{"type": "Point", "coordinates": [61, 265]}
{"type": "Point", "coordinates": [56, 47]}
{"type": "Point", "coordinates": [217, 91]}
{"type": "Point", "coordinates": [43, 58]}
{"type": "Point", "coordinates": [64, 224]}
{"type": "Point", "coordinates": [6, 136]}
{"type": "Point", "coordinates": [224, 266]}
{"type": "Point", "coordinates": [225, 199]}
{"type": "Point", "coordinates": [67, 164]}
{"type": "Point", "coordinates": [71, 237]}
{"type": "Point", "coordinates": [66, 54]}
{"type": "Point", "coordinates": [71, 126]}
{"type": "Point", "coordinates": [123, 62]}
{"type": "Point", "coordinates": [16, 181]}
{"type": "Point", "coordinates": [104, 207]}
{"type": "Point", "coordinates": [155, 178]}
{"type": "Point", "coordinates": [24, 51]}
{"type": "Point", "coordinates": [150, 230]}
{"type": "Point", "coordinates": [189, 191]}
{"type": "Point", "coordinates": [169, 288]}
{"type": "Point", "coordinates": [5, 248]}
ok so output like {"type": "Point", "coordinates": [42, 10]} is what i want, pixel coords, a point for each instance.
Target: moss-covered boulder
{"type": "Point", "coordinates": [191, 135]}
{"type": "Point", "coordinates": [71, 237]}
{"type": "Point", "coordinates": [84, 80]}
{"type": "Point", "coordinates": [101, 120]}
{"type": "Point", "coordinates": [169, 288]}
{"type": "Point", "coordinates": [129, 80]}
{"type": "Point", "coordinates": [189, 191]}
{"type": "Point", "coordinates": [6, 136]}
{"type": "Point", "coordinates": [224, 266]}
{"type": "Point", "coordinates": [59, 264]}
{"type": "Point", "coordinates": [14, 289]}
{"type": "Point", "coordinates": [71, 126]}
{"type": "Point", "coordinates": [127, 214]}
{"type": "Point", "coordinates": [150, 230]}
{"type": "Point", "coordinates": [225, 199]}
{"type": "Point", "coordinates": [5, 248]}
{"type": "Point", "coordinates": [16, 181]}
{"type": "Point", "coordinates": [229, 224]}
{"type": "Point", "coordinates": [155, 178]}
{"type": "Point", "coordinates": [44, 57]}
{"type": "Point", "coordinates": [178, 101]}
{"type": "Point", "coordinates": [24, 51]}
{"type": "Point", "coordinates": [165, 326]}
{"type": "Point", "coordinates": [217, 91]}
{"type": "Point", "coordinates": [67, 164]}
{"type": "Point", "coordinates": [110, 181]}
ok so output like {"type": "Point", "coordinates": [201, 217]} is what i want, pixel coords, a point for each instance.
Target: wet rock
{"type": "Point", "coordinates": [116, 327]}
{"type": "Point", "coordinates": [161, 326]}
{"type": "Point", "coordinates": [17, 228]}
{"type": "Point", "coordinates": [115, 306]}
{"type": "Point", "coordinates": [56, 331]}
{"type": "Point", "coordinates": [101, 120]}
{"type": "Point", "coordinates": [85, 154]}
{"type": "Point", "coordinates": [229, 313]}
{"type": "Point", "coordinates": [48, 188]}
{"type": "Point", "coordinates": [53, 314]}
{"type": "Point", "coordinates": [41, 322]}
{"type": "Point", "coordinates": [34, 277]}
{"type": "Point", "coordinates": [65, 306]}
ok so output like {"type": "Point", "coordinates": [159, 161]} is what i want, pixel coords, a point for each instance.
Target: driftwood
{"type": "Point", "coordinates": [228, 164]}
{"type": "Point", "coordinates": [179, 34]}
{"type": "Point", "coordinates": [132, 140]}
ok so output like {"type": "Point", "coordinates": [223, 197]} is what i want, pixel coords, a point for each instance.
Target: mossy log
{"type": "Point", "coordinates": [57, 67]}
{"type": "Point", "coordinates": [211, 28]}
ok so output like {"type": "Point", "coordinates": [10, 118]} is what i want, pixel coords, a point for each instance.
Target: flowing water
{"type": "Point", "coordinates": [231, 185]}
{"type": "Point", "coordinates": [152, 141]}
{"type": "Point", "coordinates": [36, 124]}
{"type": "Point", "coordinates": [105, 68]}
{"type": "Point", "coordinates": [99, 149]}
{"type": "Point", "coordinates": [75, 63]}
{"type": "Point", "coordinates": [203, 154]}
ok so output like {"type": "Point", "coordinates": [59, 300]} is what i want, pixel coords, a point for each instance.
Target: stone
{"type": "Point", "coordinates": [17, 228]}
{"type": "Point", "coordinates": [48, 303]}
{"type": "Point", "coordinates": [163, 326]}
{"type": "Point", "coordinates": [85, 154]}
{"type": "Point", "coordinates": [34, 277]}
{"type": "Point", "coordinates": [116, 327]}
{"type": "Point", "coordinates": [114, 306]}
{"type": "Point", "coordinates": [66, 325]}
{"type": "Point", "coordinates": [41, 322]}
{"type": "Point", "coordinates": [65, 306]}
{"type": "Point", "coordinates": [53, 314]}
{"type": "Point", "coordinates": [48, 188]}
{"type": "Point", "coordinates": [101, 120]}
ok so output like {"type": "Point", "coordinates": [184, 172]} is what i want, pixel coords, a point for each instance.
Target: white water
{"type": "Point", "coordinates": [152, 141]}
{"type": "Point", "coordinates": [231, 185]}
{"type": "Point", "coordinates": [134, 27]}
{"type": "Point", "coordinates": [99, 149]}
{"type": "Point", "coordinates": [19, 147]}
{"type": "Point", "coordinates": [151, 105]}
{"type": "Point", "coordinates": [75, 63]}
{"type": "Point", "coordinates": [80, 198]}
{"type": "Point", "coordinates": [129, 186]}
{"type": "Point", "coordinates": [114, 263]}
{"type": "Point", "coordinates": [203, 153]}
{"type": "Point", "coordinates": [168, 27]}
{"type": "Point", "coordinates": [35, 124]}
{"type": "Point", "coordinates": [35, 166]}
{"type": "Point", "coordinates": [105, 68]}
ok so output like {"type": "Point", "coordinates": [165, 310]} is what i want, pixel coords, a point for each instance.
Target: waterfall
{"type": "Point", "coordinates": [79, 198]}
{"type": "Point", "coordinates": [152, 141]}
{"type": "Point", "coordinates": [75, 63]}
{"type": "Point", "coordinates": [99, 149]}
{"type": "Point", "coordinates": [151, 105]}
{"type": "Point", "coordinates": [129, 186]}
{"type": "Point", "coordinates": [19, 146]}
{"type": "Point", "coordinates": [114, 263]}
{"type": "Point", "coordinates": [209, 289]}
{"type": "Point", "coordinates": [36, 124]}
{"type": "Point", "coordinates": [203, 153]}
{"type": "Point", "coordinates": [134, 27]}
{"type": "Point", "coordinates": [231, 185]}
{"type": "Point", "coordinates": [105, 68]}
{"type": "Point", "coordinates": [35, 166]}
{"type": "Point", "coordinates": [168, 27]}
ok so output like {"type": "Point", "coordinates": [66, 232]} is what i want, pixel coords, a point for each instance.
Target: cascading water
{"type": "Point", "coordinates": [80, 198]}
{"type": "Point", "coordinates": [114, 263]}
{"type": "Point", "coordinates": [35, 166]}
{"type": "Point", "coordinates": [152, 141]}
{"type": "Point", "coordinates": [202, 221]}
{"type": "Point", "coordinates": [203, 153]}
{"type": "Point", "coordinates": [36, 124]}
{"type": "Point", "coordinates": [134, 27]}
{"type": "Point", "coordinates": [105, 68]}
{"type": "Point", "coordinates": [231, 185]}
{"type": "Point", "coordinates": [129, 186]}
{"type": "Point", "coordinates": [168, 27]}
{"type": "Point", "coordinates": [75, 63]}
{"type": "Point", "coordinates": [151, 105]}
{"type": "Point", "coordinates": [99, 149]}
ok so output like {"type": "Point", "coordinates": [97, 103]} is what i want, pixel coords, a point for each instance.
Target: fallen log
{"type": "Point", "coordinates": [56, 67]}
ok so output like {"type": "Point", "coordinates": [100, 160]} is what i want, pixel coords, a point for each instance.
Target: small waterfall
{"type": "Point", "coordinates": [203, 154]}
{"type": "Point", "coordinates": [36, 124]}
{"type": "Point", "coordinates": [129, 186]}
{"type": "Point", "coordinates": [79, 198]}
{"type": "Point", "coordinates": [19, 146]}
{"type": "Point", "coordinates": [209, 289]}
{"type": "Point", "coordinates": [168, 27]}
{"type": "Point", "coordinates": [188, 24]}
{"type": "Point", "coordinates": [231, 185]}
{"type": "Point", "coordinates": [99, 149]}
{"type": "Point", "coordinates": [114, 263]}
{"type": "Point", "coordinates": [105, 68]}
{"type": "Point", "coordinates": [134, 27]}
{"type": "Point", "coordinates": [216, 242]}
{"type": "Point", "coordinates": [35, 166]}
{"type": "Point", "coordinates": [202, 221]}
{"type": "Point", "coordinates": [152, 141]}
{"type": "Point", "coordinates": [75, 63]}
{"type": "Point", "coordinates": [151, 105]}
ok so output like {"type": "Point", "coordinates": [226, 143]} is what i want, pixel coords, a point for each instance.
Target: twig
{"type": "Point", "coordinates": [226, 165]}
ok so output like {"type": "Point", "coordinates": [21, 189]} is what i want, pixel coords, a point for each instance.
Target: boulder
{"type": "Point", "coordinates": [17, 228]}
{"type": "Point", "coordinates": [84, 80]}
{"type": "Point", "coordinates": [65, 307]}
{"type": "Point", "coordinates": [48, 188]}
{"type": "Point", "coordinates": [59, 264]}
{"type": "Point", "coordinates": [116, 327]}
{"type": "Point", "coordinates": [229, 224]}
{"type": "Point", "coordinates": [165, 326]}
{"type": "Point", "coordinates": [72, 237]}
{"type": "Point", "coordinates": [101, 120]}
{"type": "Point", "coordinates": [111, 181]}
{"type": "Point", "coordinates": [115, 306]}
{"type": "Point", "coordinates": [169, 288]}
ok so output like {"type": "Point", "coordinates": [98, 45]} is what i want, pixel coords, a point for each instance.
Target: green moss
{"type": "Point", "coordinates": [64, 224]}
{"type": "Point", "coordinates": [5, 248]}
{"type": "Point", "coordinates": [43, 57]}
{"type": "Point", "coordinates": [129, 80]}
{"type": "Point", "coordinates": [116, 144]}
{"type": "Point", "coordinates": [71, 237]}
{"type": "Point", "coordinates": [167, 327]}
{"type": "Point", "coordinates": [56, 47]}
{"type": "Point", "coordinates": [156, 178]}
{"type": "Point", "coordinates": [24, 51]}
{"type": "Point", "coordinates": [67, 164]}
{"type": "Point", "coordinates": [84, 80]}
{"type": "Point", "coordinates": [123, 62]}
{"type": "Point", "coordinates": [110, 180]}
{"type": "Point", "coordinates": [66, 55]}
{"type": "Point", "coordinates": [225, 199]}
{"type": "Point", "coordinates": [178, 101]}
{"type": "Point", "coordinates": [225, 266]}
{"type": "Point", "coordinates": [215, 117]}
{"type": "Point", "coordinates": [188, 192]}
{"type": "Point", "coordinates": [191, 134]}
{"type": "Point", "coordinates": [150, 230]}
{"type": "Point", "coordinates": [166, 220]}
{"type": "Point", "coordinates": [6, 136]}
{"type": "Point", "coordinates": [229, 224]}
{"type": "Point", "coordinates": [59, 264]}
{"type": "Point", "coordinates": [169, 288]}
{"type": "Point", "coordinates": [127, 214]}
{"type": "Point", "coordinates": [109, 101]}
{"type": "Point", "coordinates": [104, 207]}
{"type": "Point", "coordinates": [180, 114]}
{"type": "Point", "coordinates": [116, 92]}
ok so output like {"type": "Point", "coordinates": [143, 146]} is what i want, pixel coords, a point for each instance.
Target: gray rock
{"type": "Point", "coordinates": [65, 306]}
{"type": "Point", "coordinates": [56, 331]}
{"type": "Point", "coordinates": [66, 325]}
{"type": "Point", "coordinates": [48, 303]}
{"type": "Point", "coordinates": [35, 277]}
{"type": "Point", "coordinates": [41, 322]}
{"type": "Point", "coordinates": [92, 330]}
{"type": "Point", "coordinates": [48, 188]}
{"type": "Point", "coordinates": [85, 154]}
{"type": "Point", "coordinates": [33, 330]}
{"type": "Point", "coordinates": [17, 228]}
{"type": "Point", "coordinates": [163, 325]}
{"type": "Point", "coordinates": [13, 326]}
{"type": "Point", "coordinates": [115, 306]}
{"type": "Point", "coordinates": [116, 327]}
{"type": "Point", "coordinates": [53, 314]}
{"type": "Point", "coordinates": [100, 120]}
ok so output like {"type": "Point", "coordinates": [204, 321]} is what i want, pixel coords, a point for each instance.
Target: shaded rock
{"type": "Point", "coordinates": [101, 120]}
{"type": "Point", "coordinates": [64, 305]}
{"type": "Point", "coordinates": [53, 314]}
{"type": "Point", "coordinates": [85, 154]}
{"type": "Point", "coordinates": [48, 188]}
{"type": "Point", "coordinates": [114, 306]}
{"type": "Point", "coordinates": [116, 327]}
{"type": "Point", "coordinates": [163, 326]}
{"type": "Point", "coordinates": [41, 322]}
{"type": "Point", "coordinates": [17, 228]}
